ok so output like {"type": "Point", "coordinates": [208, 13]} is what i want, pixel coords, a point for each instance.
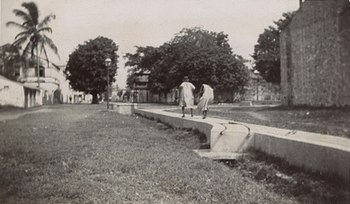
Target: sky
{"type": "Point", "coordinates": [131, 23]}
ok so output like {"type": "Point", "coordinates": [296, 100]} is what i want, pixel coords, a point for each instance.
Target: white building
{"type": "Point", "coordinates": [18, 95]}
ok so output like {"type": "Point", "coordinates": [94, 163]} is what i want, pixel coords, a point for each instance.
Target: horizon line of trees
{"type": "Point", "coordinates": [204, 56]}
{"type": "Point", "coordinates": [200, 54]}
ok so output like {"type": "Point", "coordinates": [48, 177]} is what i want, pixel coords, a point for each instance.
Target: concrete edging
{"type": "Point", "coordinates": [311, 151]}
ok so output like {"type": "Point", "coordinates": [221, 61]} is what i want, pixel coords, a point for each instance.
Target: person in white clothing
{"type": "Point", "coordinates": [186, 96]}
{"type": "Point", "coordinates": [207, 97]}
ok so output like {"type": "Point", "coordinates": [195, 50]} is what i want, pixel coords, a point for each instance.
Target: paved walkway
{"type": "Point", "coordinates": [336, 141]}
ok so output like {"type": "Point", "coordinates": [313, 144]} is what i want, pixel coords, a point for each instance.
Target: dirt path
{"type": "Point", "coordinates": [15, 114]}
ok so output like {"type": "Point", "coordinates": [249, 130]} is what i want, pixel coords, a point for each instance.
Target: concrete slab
{"type": "Point", "coordinates": [218, 155]}
{"type": "Point", "coordinates": [123, 108]}
{"type": "Point", "coordinates": [233, 139]}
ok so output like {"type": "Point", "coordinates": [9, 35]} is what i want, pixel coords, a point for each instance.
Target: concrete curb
{"type": "Point", "coordinates": [319, 153]}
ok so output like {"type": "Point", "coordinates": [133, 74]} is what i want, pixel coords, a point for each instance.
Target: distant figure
{"type": "Point", "coordinates": [186, 95]}
{"type": "Point", "coordinates": [70, 99]}
{"type": "Point", "coordinates": [207, 97]}
{"type": "Point", "coordinates": [176, 93]}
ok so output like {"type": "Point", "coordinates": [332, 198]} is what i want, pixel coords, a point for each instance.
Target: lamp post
{"type": "Point", "coordinates": [256, 72]}
{"type": "Point", "coordinates": [108, 63]}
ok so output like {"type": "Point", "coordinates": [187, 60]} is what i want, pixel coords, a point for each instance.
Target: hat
{"type": "Point", "coordinates": [186, 78]}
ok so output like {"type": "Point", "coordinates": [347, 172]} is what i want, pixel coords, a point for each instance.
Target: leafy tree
{"type": "Point", "coordinates": [142, 60]}
{"type": "Point", "coordinates": [267, 51]}
{"type": "Point", "coordinates": [86, 70]}
{"type": "Point", "coordinates": [33, 32]}
{"type": "Point", "coordinates": [206, 57]}
{"type": "Point", "coordinates": [10, 56]}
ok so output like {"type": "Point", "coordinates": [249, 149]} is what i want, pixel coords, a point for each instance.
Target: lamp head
{"type": "Point", "coordinates": [108, 62]}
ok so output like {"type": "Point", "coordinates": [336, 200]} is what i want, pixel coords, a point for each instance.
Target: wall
{"type": "Point", "coordinates": [262, 91]}
{"type": "Point", "coordinates": [11, 93]}
{"type": "Point", "coordinates": [315, 56]}
{"type": "Point", "coordinates": [15, 94]}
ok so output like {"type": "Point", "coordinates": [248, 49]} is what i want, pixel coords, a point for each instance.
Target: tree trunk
{"type": "Point", "coordinates": [94, 98]}
{"type": "Point", "coordinates": [38, 65]}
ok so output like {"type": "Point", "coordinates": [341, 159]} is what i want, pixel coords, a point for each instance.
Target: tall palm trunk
{"type": "Point", "coordinates": [37, 65]}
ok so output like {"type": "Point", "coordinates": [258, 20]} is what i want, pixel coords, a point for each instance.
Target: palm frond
{"type": "Point", "coordinates": [23, 34]}
{"type": "Point", "coordinates": [12, 23]}
{"type": "Point", "coordinates": [46, 20]}
{"type": "Point", "coordinates": [45, 53]}
{"type": "Point", "coordinates": [15, 48]}
{"type": "Point", "coordinates": [50, 43]}
{"type": "Point", "coordinates": [25, 16]}
{"type": "Point", "coordinates": [48, 29]}
{"type": "Point", "coordinates": [33, 11]}
{"type": "Point", "coordinates": [27, 49]}
{"type": "Point", "coordinates": [19, 41]}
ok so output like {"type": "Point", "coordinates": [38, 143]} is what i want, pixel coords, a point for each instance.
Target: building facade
{"type": "Point", "coordinates": [258, 89]}
{"type": "Point", "coordinates": [315, 55]}
{"type": "Point", "coordinates": [54, 88]}
{"type": "Point", "coordinates": [140, 91]}
{"type": "Point", "coordinates": [16, 94]}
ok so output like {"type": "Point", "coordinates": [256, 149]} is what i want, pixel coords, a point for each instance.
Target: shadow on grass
{"type": "Point", "coordinates": [277, 175]}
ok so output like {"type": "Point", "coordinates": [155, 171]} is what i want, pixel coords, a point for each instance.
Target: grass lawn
{"type": "Point", "coordinates": [82, 154]}
{"type": "Point", "coordinates": [332, 121]}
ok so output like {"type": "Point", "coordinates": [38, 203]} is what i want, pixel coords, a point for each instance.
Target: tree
{"type": "Point", "coordinates": [142, 60]}
{"type": "Point", "coordinates": [10, 56]}
{"type": "Point", "coordinates": [267, 51]}
{"type": "Point", "coordinates": [206, 57]}
{"type": "Point", "coordinates": [33, 32]}
{"type": "Point", "coordinates": [86, 70]}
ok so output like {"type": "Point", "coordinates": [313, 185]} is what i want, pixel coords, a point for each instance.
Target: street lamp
{"type": "Point", "coordinates": [256, 72]}
{"type": "Point", "coordinates": [108, 63]}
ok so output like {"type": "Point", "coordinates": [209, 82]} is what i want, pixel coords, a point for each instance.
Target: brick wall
{"type": "Point", "coordinates": [315, 55]}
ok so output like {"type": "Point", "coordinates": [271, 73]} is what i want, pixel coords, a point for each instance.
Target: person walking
{"type": "Point", "coordinates": [207, 97]}
{"type": "Point", "coordinates": [186, 96]}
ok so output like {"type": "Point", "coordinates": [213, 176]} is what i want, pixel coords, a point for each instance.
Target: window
{"type": "Point", "coordinates": [17, 70]}
{"type": "Point", "coordinates": [41, 71]}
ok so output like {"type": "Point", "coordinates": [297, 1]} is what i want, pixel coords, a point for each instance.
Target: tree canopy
{"type": "Point", "coordinates": [86, 70]}
{"type": "Point", "coordinates": [204, 56]}
{"type": "Point", "coordinates": [267, 51]}
{"type": "Point", "coordinates": [10, 56]}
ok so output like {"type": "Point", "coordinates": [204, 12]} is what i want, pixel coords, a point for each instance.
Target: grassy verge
{"type": "Point", "coordinates": [79, 154]}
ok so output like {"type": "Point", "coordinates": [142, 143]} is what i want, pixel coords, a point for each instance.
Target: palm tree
{"type": "Point", "coordinates": [33, 33]}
